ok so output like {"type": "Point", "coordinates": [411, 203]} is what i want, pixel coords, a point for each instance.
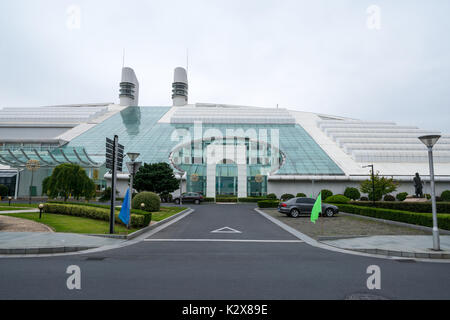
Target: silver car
{"type": "Point", "coordinates": [298, 206]}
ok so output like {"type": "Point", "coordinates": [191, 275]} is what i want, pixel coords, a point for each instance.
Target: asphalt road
{"type": "Point", "coordinates": [189, 261]}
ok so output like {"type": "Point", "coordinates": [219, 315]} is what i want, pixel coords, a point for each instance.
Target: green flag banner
{"type": "Point", "coordinates": [316, 209]}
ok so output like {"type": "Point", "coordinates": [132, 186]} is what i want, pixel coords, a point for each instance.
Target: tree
{"type": "Point", "coordinates": [69, 179]}
{"type": "Point", "coordinates": [383, 186]}
{"type": "Point", "coordinates": [155, 177]}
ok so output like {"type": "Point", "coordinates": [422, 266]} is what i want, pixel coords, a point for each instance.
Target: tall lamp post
{"type": "Point", "coordinates": [430, 141]}
{"type": "Point", "coordinates": [32, 165]}
{"type": "Point", "coordinates": [133, 167]}
{"type": "Point", "coordinates": [373, 184]}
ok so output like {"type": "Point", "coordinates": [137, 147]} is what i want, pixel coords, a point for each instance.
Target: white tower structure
{"type": "Point", "coordinates": [180, 87]}
{"type": "Point", "coordinates": [129, 88]}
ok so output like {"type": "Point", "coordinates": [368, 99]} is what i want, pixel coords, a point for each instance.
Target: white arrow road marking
{"type": "Point", "coordinates": [226, 230]}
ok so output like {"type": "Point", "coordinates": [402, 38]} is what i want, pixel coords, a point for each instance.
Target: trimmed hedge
{"type": "Point", "coordinates": [268, 203]}
{"type": "Point", "coordinates": [326, 193]}
{"type": "Point", "coordinates": [252, 199]}
{"type": "Point", "coordinates": [226, 199]}
{"type": "Point", "coordinates": [150, 199]}
{"type": "Point", "coordinates": [208, 199]}
{"type": "Point", "coordinates": [442, 207]}
{"type": "Point", "coordinates": [338, 198]}
{"type": "Point", "coordinates": [137, 220]}
{"type": "Point", "coordinates": [422, 219]}
{"type": "Point", "coordinates": [389, 197]}
{"type": "Point", "coordinates": [287, 196]}
{"type": "Point", "coordinates": [352, 193]}
{"type": "Point", "coordinates": [272, 196]}
{"type": "Point", "coordinates": [401, 196]}
{"type": "Point", "coordinates": [445, 196]}
{"type": "Point", "coordinates": [301, 195]}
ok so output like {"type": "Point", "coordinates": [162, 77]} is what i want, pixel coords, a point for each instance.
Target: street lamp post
{"type": "Point", "coordinates": [133, 167]}
{"type": "Point", "coordinates": [430, 141]}
{"type": "Point", "coordinates": [32, 165]}
{"type": "Point", "coordinates": [373, 184]}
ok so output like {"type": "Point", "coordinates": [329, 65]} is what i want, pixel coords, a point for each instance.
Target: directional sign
{"type": "Point", "coordinates": [226, 230]}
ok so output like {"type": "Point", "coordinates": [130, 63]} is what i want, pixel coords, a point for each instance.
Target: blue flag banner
{"type": "Point", "coordinates": [124, 214]}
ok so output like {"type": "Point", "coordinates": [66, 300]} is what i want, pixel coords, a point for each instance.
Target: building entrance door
{"type": "Point", "coordinates": [226, 179]}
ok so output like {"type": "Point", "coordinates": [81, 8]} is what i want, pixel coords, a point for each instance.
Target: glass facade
{"type": "Point", "coordinates": [139, 131]}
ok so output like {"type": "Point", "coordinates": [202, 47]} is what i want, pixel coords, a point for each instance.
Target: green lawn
{"type": "Point", "coordinates": [165, 212]}
{"type": "Point", "coordinates": [17, 205]}
{"type": "Point", "coordinates": [7, 208]}
{"type": "Point", "coordinates": [63, 223]}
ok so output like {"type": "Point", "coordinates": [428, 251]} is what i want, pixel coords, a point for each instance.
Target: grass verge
{"type": "Point", "coordinates": [72, 224]}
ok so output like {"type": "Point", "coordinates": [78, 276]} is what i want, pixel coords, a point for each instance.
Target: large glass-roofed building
{"type": "Point", "coordinates": [217, 149]}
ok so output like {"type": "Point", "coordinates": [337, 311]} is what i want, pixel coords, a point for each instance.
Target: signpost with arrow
{"type": "Point", "coordinates": [114, 161]}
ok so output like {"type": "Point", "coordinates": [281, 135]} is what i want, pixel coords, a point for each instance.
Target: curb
{"type": "Point", "coordinates": [374, 253]}
{"type": "Point", "coordinates": [69, 249]}
{"type": "Point", "coordinates": [140, 231]}
{"type": "Point", "coordinates": [48, 250]}
{"type": "Point", "coordinates": [396, 223]}
{"type": "Point", "coordinates": [403, 254]}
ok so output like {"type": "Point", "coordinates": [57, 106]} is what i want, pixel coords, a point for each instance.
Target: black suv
{"type": "Point", "coordinates": [189, 197]}
{"type": "Point", "coordinates": [297, 206]}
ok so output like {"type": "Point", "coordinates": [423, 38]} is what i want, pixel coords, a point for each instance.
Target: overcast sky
{"type": "Point", "coordinates": [337, 57]}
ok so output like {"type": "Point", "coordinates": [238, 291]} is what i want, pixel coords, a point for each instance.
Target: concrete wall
{"type": "Point", "coordinates": [338, 187]}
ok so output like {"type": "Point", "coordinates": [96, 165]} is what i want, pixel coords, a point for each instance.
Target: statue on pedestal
{"type": "Point", "coordinates": [418, 185]}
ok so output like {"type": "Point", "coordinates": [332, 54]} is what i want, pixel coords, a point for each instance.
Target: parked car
{"type": "Point", "coordinates": [303, 206]}
{"type": "Point", "coordinates": [194, 197]}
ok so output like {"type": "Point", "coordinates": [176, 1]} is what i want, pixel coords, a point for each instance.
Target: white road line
{"type": "Point", "coordinates": [224, 240]}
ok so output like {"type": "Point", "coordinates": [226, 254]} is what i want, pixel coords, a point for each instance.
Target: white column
{"type": "Point", "coordinates": [211, 180]}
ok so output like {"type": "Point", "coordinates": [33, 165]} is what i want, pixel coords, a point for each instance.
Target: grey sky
{"type": "Point", "coordinates": [317, 56]}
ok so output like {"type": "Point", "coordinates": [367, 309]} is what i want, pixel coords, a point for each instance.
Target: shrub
{"type": "Point", "coordinates": [226, 199]}
{"type": "Point", "coordinates": [389, 197]}
{"type": "Point", "coordinates": [401, 196]}
{"type": "Point", "coordinates": [287, 196]}
{"type": "Point", "coordinates": [352, 193]}
{"type": "Point", "coordinates": [272, 196]}
{"type": "Point", "coordinates": [423, 219]}
{"type": "Point", "coordinates": [137, 219]}
{"type": "Point", "coordinates": [364, 199]}
{"type": "Point", "coordinates": [106, 195]}
{"type": "Point", "coordinates": [150, 199]}
{"type": "Point", "coordinates": [326, 193]}
{"type": "Point", "coordinates": [427, 195]}
{"type": "Point", "coordinates": [442, 207]}
{"type": "Point", "coordinates": [252, 199]}
{"type": "Point", "coordinates": [445, 196]}
{"type": "Point", "coordinates": [3, 190]}
{"type": "Point", "coordinates": [268, 203]}
{"type": "Point", "coordinates": [338, 198]}
{"type": "Point", "coordinates": [301, 195]}
{"type": "Point", "coordinates": [208, 199]}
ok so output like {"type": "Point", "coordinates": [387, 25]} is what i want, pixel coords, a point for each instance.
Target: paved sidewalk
{"type": "Point", "coordinates": [416, 246]}
{"type": "Point", "coordinates": [19, 211]}
{"type": "Point", "coordinates": [46, 242]}
{"type": "Point", "coordinates": [12, 224]}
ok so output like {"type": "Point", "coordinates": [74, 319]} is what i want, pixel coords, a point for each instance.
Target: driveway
{"type": "Point", "coordinates": [188, 261]}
